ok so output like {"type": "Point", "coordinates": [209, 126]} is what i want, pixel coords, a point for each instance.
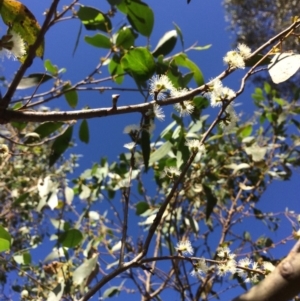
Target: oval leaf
{"type": "Point", "coordinates": [20, 20]}
{"type": "Point", "coordinates": [283, 66]}
{"type": "Point", "coordinates": [84, 135]}
{"type": "Point", "coordinates": [99, 40]}
{"type": "Point", "coordinates": [94, 19]}
{"type": "Point", "coordinates": [166, 44]}
{"type": "Point", "coordinates": [60, 145]}
{"type": "Point", "coordinates": [71, 238]}
{"type": "Point", "coordinates": [71, 96]}
{"type": "Point", "coordinates": [139, 62]}
{"type": "Point", "coordinates": [5, 240]}
{"type": "Point", "coordinates": [33, 80]}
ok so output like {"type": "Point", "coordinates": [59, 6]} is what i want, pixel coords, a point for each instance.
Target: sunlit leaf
{"type": "Point", "coordinates": [184, 61]}
{"type": "Point", "coordinates": [110, 292]}
{"type": "Point", "coordinates": [161, 152]}
{"type": "Point", "coordinates": [84, 270]}
{"type": "Point", "coordinates": [94, 19]}
{"type": "Point", "coordinates": [71, 95]}
{"type": "Point", "coordinates": [20, 20]}
{"type": "Point", "coordinates": [5, 240]}
{"type": "Point", "coordinates": [283, 66]}
{"type": "Point", "coordinates": [99, 40]}
{"type": "Point", "coordinates": [139, 62]}
{"type": "Point", "coordinates": [52, 69]}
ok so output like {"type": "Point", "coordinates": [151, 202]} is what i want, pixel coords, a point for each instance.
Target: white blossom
{"type": "Point", "coordinates": [230, 119]}
{"type": "Point", "coordinates": [14, 46]}
{"type": "Point", "coordinates": [195, 145]}
{"type": "Point", "coordinates": [184, 108]}
{"type": "Point", "coordinates": [160, 87]}
{"type": "Point", "coordinates": [156, 112]}
{"type": "Point", "coordinates": [130, 145]}
{"type": "Point", "coordinates": [200, 267]}
{"type": "Point", "coordinates": [131, 128]}
{"type": "Point", "coordinates": [185, 247]}
{"type": "Point", "coordinates": [244, 50]}
{"type": "Point", "coordinates": [234, 59]}
{"type": "Point", "coordinates": [170, 172]}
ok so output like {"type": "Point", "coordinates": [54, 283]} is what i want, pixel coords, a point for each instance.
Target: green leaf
{"type": "Point", "coordinates": [20, 19]}
{"type": "Point", "coordinates": [145, 145]}
{"type": "Point", "coordinates": [253, 60]}
{"type": "Point", "coordinates": [99, 40]}
{"type": "Point", "coordinates": [33, 80]}
{"type": "Point", "coordinates": [125, 37]}
{"type": "Point", "coordinates": [182, 60]}
{"type": "Point", "coordinates": [84, 135]}
{"type": "Point", "coordinates": [115, 69]}
{"type": "Point", "coordinates": [71, 238]}
{"type": "Point", "coordinates": [179, 32]}
{"type": "Point", "coordinates": [245, 131]}
{"type": "Point", "coordinates": [71, 96]}
{"type": "Point", "coordinates": [211, 201]}
{"type": "Point", "coordinates": [160, 152]}
{"type": "Point", "coordinates": [110, 292]}
{"type": "Point", "coordinates": [52, 69]}
{"type": "Point", "coordinates": [141, 207]}
{"type": "Point", "coordinates": [166, 44]}
{"type": "Point", "coordinates": [139, 62]}
{"type": "Point", "coordinates": [94, 19]}
{"type": "Point", "coordinates": [140, 16]}
{"type": "Point", "coordinates": [5, 240]}
{"type": "Point", "coordinates": [60, 145]}
{"type": "Point", "coordinates": [48, 128]}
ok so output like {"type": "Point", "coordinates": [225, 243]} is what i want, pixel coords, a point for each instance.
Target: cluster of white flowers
{"type": "Point", "coordinates": [245, 268]}
{"type": "Point", "coordinates": [236, 58]}
{"type": "Point", "coordinates": [12, 46]}
{"type": "Point", "coordinates": [195, 146]}
{"type": "Point", "coordinates": [170, 172]}
{"type": "Point", "coordinates": [230, 119]}
{"type": "Point", "coordinates": [217, 94]}
{"type": "Point", "coordinates": [161, 87]}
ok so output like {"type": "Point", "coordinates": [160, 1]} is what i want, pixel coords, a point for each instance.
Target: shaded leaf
{"type": "Point", "coordinates": [71, 238]}
{"type": "Point", "coordinates": [166, 44]}
{"type": "Point", "coordinates": [139, 15]}
{"type": "Point", "coordinates": [141, 207]}
{"type": "Point", "coordinates": [253, 60]}
{"type": "Point", "coordinates": [211, 201]}
{"type": "Point", "coordinates": [84, 134]}
{"type": "Point", "coordinates": [33, 80]}
{"type": "Point", "coordinates": [60, 145]}
{"type": "Point", "coordinates": [110, 292]}
{"type": "Point", "coordinates": [145, 145]}
{"type": "Point", "coordinates": [116, 70]}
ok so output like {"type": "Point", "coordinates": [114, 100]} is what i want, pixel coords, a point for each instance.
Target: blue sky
{"type": "Point", "coordinates": [200, 21]}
